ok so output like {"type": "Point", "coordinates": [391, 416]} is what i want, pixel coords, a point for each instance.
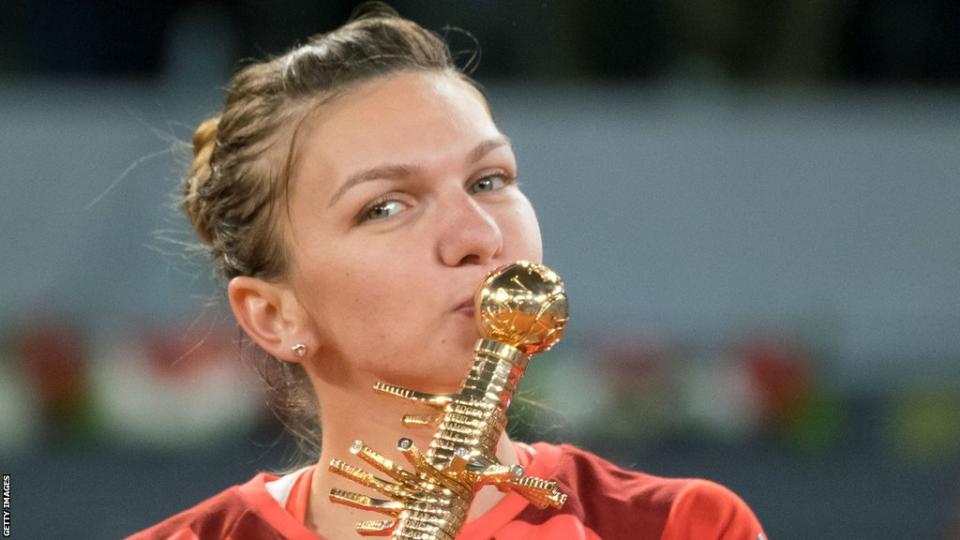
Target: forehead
{"type": "Point", "coordinates": [404, 118]}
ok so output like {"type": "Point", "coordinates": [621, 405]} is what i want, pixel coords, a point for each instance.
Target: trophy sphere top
{"type": "Point", "coordinates": [524, 305]}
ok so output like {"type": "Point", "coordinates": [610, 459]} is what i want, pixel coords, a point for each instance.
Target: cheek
{"type": "Point", "coordinates": [525, 233]}
{"type": "Point", "coordinates": [354, 299]}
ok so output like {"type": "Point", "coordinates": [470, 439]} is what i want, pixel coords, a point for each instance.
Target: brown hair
{"type": "Point", "coordinates": [242, 159]}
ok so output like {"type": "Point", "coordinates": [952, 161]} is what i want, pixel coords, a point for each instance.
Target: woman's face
{"type": "Point", "coordinates": [403, 198]}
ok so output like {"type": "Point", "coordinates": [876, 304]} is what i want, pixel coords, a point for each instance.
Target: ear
{"type": "Point", "coordinates": [272, 316]}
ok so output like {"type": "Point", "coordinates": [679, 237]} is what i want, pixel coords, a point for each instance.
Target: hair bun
{"type": "Point", "coordinates": [204, 141]}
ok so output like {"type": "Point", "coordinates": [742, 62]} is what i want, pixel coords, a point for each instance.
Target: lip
{"type": "Point", "coordinates": [465, 308]}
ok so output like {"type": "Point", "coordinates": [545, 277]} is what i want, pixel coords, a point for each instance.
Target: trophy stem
{"type": "Point", "coordinates": [474, 422]}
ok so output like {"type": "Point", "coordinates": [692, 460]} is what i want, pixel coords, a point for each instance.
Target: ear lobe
{"type": "Point", "coordinates": [270, 314]}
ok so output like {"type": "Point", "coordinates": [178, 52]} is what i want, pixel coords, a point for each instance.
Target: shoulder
{"type": "Point", "coordinates": [614, 501]}
{"type": "Point", "coordinates": [232, 514]}
{"type": "Point", "coordinates": [704, 509]}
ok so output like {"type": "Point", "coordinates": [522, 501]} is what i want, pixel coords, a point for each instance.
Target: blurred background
{"type": "Point", "coordinates": [754, 205]}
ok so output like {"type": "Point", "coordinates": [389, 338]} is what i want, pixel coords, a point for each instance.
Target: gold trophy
{"type": "Point", "coordinates": [521, 310]}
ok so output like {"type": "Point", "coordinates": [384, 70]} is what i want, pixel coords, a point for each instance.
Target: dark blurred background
{"type": "Point", "coordinates": [753, 204]}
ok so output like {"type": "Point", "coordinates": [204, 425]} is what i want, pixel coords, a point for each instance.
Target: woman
{"type": "Point", "coordinates": [354, 192]}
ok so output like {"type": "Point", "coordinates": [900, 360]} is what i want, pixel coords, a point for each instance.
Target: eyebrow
{"type": "Point", "coordinates": [398, 171]}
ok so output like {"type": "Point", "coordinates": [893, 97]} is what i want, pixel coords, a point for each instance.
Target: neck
{"type": "Point", "coordinates": [349, 415]}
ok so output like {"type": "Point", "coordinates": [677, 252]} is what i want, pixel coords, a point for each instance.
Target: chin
{"type": "Point", "coordinates": [441, 368]}
{"type": "Point", "coordinates": [444, 377]}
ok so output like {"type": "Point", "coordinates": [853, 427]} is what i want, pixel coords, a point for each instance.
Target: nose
{"type": "Point", "coordinates": [468, 233]}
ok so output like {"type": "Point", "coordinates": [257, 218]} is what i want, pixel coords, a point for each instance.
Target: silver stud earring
{"type": "Point", "coordinates": [299, 349]}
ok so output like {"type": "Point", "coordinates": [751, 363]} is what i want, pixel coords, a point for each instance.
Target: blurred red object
{"type": "Point", "coordinates": [782, 376]}
{"type": "Point", "coordinates": [168, 385]}
{"type": "Point", "coordinates": [52, 354]}
{"type": "Point", "coordinates": [175, 353]}
{"type": "Point", "coordinates": [639, 387]}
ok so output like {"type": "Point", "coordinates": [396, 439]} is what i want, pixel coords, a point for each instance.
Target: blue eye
{"type": "Point", "coordinates": [488, 183]}
{"type": "Point", "coordinates": [381, 210]}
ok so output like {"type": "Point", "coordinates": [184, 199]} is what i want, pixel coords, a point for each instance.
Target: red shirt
{"type": "Point", "coordinates": [604, 502]}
